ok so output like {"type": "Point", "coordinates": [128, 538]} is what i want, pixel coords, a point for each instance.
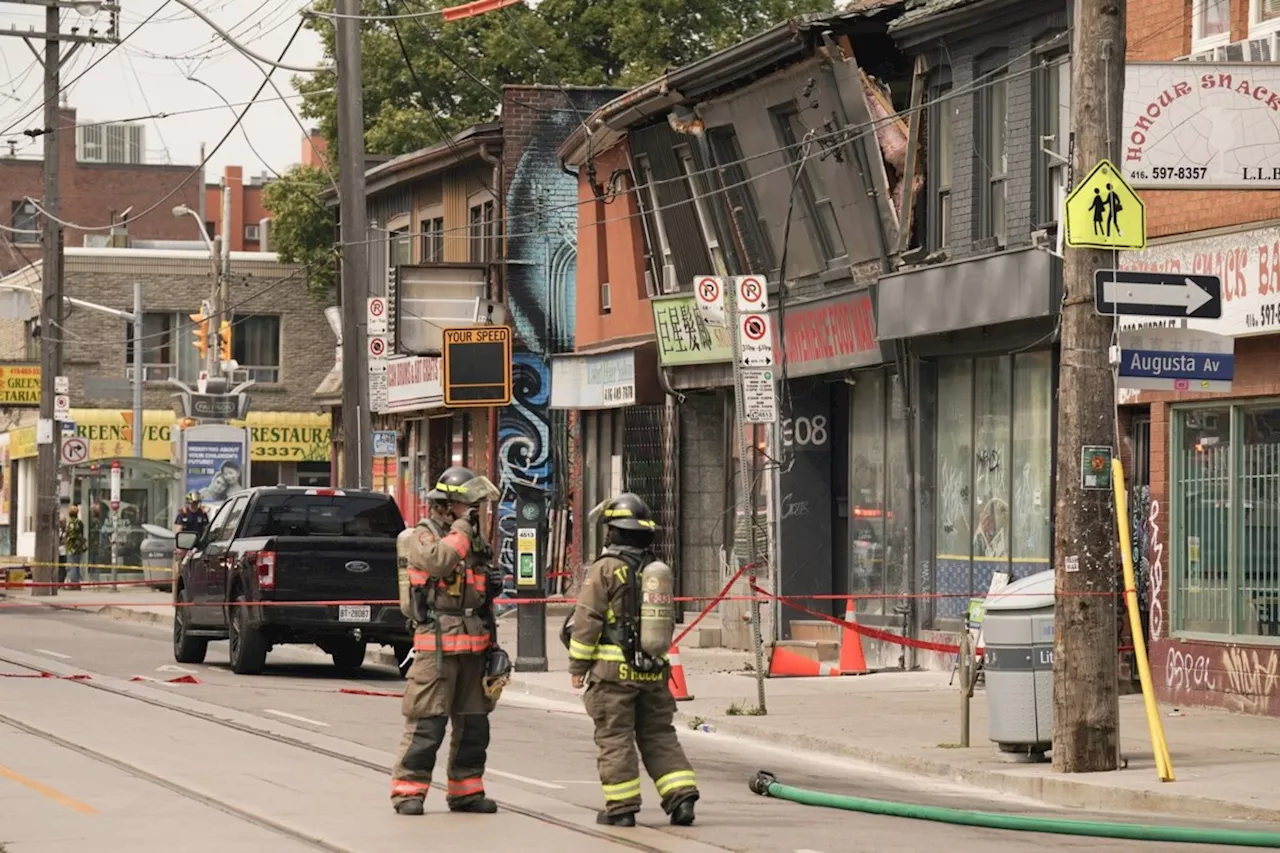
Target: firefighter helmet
{"type": "Point", "coordinates": [628, 512]}
{"type": "Point", "coordinates": [462, 485]}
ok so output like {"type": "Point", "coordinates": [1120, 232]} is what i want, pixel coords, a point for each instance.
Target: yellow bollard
{"type": "Point", "coordinates": [1164, 766]}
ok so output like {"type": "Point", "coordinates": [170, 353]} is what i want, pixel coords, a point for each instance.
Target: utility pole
{"type": "Point", "coordinates": [357, 462]}
{"type": "Point", "coordinates": [220, 285]}
{"type": "Point", "coordinates": [1085, 690]}
{"type": "Point", "coordinates": [47, 453]}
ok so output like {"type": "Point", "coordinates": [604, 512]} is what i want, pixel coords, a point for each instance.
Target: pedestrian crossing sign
{"type": "Point", "coordinates": [1103, 212]}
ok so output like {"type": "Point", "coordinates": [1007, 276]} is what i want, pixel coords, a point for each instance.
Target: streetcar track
{"type": "Point", "coordinates": [618, 839]}
{"type": "Point", "coordinates": [173, 787]}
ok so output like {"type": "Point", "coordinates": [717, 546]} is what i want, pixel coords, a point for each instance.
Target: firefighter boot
{"type": "Point", "coordinates": [409, 807]}
{"type": "Point", "coordinates": [682, 814]}
{"type": "Point", "coordinates": [481, 806]}
{"type": "Point", "coordinates": [625, 819]}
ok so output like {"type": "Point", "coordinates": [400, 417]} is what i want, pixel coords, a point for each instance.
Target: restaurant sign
{"type": "Point", "coordinates": [1247, 262]}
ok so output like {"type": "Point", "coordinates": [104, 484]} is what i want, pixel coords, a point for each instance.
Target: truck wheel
{"type": "Point", "coordinates": [248, 648]}
{"type": "Point", "coordinates": [186, 649]}
{"type": "Point", "coordinates": [347, 654]}
{"type": "Point", "coordinates": [401, 651]}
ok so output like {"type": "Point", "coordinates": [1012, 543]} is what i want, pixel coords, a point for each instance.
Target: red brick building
{"type": "Point", "coordinates": [93, 194]}
{"type": "Point", "coordinates": [1206, 466]}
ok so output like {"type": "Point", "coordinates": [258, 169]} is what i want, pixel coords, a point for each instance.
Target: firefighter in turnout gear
{"type": "Point", "coordinates": [618, 638]}
{"type": "Point", "coordinates": [447, 584]}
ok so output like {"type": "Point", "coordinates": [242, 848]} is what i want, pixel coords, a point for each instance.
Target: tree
{"type": "Point", "coordinates": [303, 227]}
{"type": "Point", "coordinates": [462, 66]}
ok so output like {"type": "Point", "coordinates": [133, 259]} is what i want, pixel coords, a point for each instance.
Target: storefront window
{"type": "Point", "coordinates": [994, 474]}
{"type": "Point", "coordinates": [954, 486]}
{"type": "Point", "coordinates": [991, 403]}
{"type": "Point", "coordinates": [1213, 575]}
{"type": "Point", "coordinates": [1032, 466]}
{"type": "Point", "coordinates": [867, 503]}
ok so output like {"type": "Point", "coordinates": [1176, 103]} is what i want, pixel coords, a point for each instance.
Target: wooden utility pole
{"type": "Point", "coordinates": [357, 458]}
{"type": "Point", "coordinates": [51, 279]}
{"type": "Point", "coordinates": [1085, 690]}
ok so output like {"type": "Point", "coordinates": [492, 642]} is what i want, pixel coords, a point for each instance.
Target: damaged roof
{"type": "Point", "coordinates": [779, 43]}
{"type": "Point", "coordinates": [919, 11]}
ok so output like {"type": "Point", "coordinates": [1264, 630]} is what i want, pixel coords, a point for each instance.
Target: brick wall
{"type": "Point", "coordinates": [1160, 30]}
{"type": "Point", "coordinates": [95, 344]}
{"type": "Point", "coordinates": [91, 191]}
{"type": "Point", "coordinates": [967, 60]}
{"type": "Point", "coordinates": [541, 213]}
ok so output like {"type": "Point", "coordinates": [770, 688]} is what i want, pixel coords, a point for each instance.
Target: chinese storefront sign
{"type": "Point", "coordinates": [683, 337]}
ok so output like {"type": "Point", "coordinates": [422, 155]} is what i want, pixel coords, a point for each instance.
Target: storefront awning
{"type": "Point", "coordinates": [273, 436]}
{"type": "Point", "coordinates": [968, 294]}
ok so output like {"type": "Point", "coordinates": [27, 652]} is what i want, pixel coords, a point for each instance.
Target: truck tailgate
{"type": "Point", "coordinates": [332, 568]}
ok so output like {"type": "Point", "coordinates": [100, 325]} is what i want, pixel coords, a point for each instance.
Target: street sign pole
{"type": "Point", "coordinates": [749, 292]}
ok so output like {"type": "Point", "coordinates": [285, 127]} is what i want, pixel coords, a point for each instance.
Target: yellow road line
{"type": "Point", "coordinates": [47, 792]}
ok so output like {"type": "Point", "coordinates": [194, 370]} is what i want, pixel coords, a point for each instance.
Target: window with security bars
{"type": "Point", "coordinates": [649, 461]}
{"type": "Point", "coordinates": [1225, 521]}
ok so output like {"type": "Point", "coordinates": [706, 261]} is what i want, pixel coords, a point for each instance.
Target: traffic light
{"type": "Point", "coordinates": [224, 341]}
{"type": "Point", "coordinates": [201, 333]}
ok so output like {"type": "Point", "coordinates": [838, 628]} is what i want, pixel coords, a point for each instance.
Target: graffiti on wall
{"type": "Point", "coordinates": [1139, 507]}
{"type": "Point", "coordinates": [1156, 571]}
{"type": "Point", "coordinates": [524, 445]}
{"type": "Point", "coordinates": [1185, 671]}
{"type": "Point", "coordinates": [1252, 676]}
{"type": "Point", "coordinates": [1238, 678]}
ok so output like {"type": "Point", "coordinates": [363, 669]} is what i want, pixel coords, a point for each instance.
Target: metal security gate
{"type": "Point", "coordinates": [650, 460]}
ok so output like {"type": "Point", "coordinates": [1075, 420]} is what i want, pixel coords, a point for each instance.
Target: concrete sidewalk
{"type": "Point", "coordinates": [1226, 765]}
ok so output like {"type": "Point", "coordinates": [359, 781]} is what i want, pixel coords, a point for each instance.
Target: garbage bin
{"type": "Point", "coordinates": [1018, 666]}
{"type": "Point", "coordinates": [157, 557]}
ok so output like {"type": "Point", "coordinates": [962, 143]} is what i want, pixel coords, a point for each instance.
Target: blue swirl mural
{"type": "Point", "coordinates": [524, 444]}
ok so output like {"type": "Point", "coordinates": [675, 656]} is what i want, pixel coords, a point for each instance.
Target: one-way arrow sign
{"type": "Point", "coordinates": [1157, 294]}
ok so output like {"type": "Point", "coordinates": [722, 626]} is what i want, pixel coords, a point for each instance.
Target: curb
{"type": "Point", "coordinates": [1054, 790]}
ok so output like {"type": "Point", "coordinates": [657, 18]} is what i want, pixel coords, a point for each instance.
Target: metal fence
{"type": "Point", "coordinates": [650, 458]}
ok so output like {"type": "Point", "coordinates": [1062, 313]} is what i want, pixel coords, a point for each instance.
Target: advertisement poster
{"type": "Point", "coordinates": [215, 469]}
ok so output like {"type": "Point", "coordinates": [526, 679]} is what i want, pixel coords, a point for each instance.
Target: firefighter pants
{"type": "Point", "coordinates": [629, 715]}
{"type": "Point", "coordinates": [436, 693]}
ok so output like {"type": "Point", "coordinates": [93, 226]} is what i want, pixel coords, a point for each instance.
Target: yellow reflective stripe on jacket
{"type": "Point", "coordinates": [673, 781]}
{"type": "Point", "coordinates": [581, 651]}
{"type": "Point", "coordinates": [622, 790]}
{"type": "Point", "coordinates": [608, 652]}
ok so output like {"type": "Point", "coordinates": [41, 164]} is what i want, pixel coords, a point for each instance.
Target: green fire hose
{"type": "Point", "coordinates": [766, 784]}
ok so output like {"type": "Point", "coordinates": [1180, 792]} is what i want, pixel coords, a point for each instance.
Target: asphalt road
{"type": "Point", "coordinates": [547, 747]}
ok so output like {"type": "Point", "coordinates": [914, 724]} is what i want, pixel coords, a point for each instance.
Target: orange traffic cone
{"type": "Point", "coordinates": [852, 660]}
{"type": "Point", "coordinates": [784, 663]}
{"type": "Point", "coordinates": [679, 687]}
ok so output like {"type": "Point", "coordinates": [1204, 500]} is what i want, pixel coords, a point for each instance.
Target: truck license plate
{"type": "Point", "coordinates": [353, 612]}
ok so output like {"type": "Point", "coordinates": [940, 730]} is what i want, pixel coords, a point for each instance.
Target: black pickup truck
{"type": "Point", "coordinates": [280, 544]}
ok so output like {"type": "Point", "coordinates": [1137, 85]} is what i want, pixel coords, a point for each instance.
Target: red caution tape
{"type": "Point", "coordinates": [185, 679]}
{"type": "Point", "coordinates": [711, 605]}
{"type": "Point", "coordinates": [44, 675]}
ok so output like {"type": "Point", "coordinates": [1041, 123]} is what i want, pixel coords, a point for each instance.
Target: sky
{"type": "Point", "coordinates": [148, 74]}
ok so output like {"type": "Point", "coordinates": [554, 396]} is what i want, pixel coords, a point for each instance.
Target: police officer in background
{"type": "Point", "coordinates": [626, 677]}
{"type": "Point", "coordinates": [447, 583]}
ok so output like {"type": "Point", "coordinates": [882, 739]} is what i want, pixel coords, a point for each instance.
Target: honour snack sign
{"type": "Point", "coordinates": [1198, 125]}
